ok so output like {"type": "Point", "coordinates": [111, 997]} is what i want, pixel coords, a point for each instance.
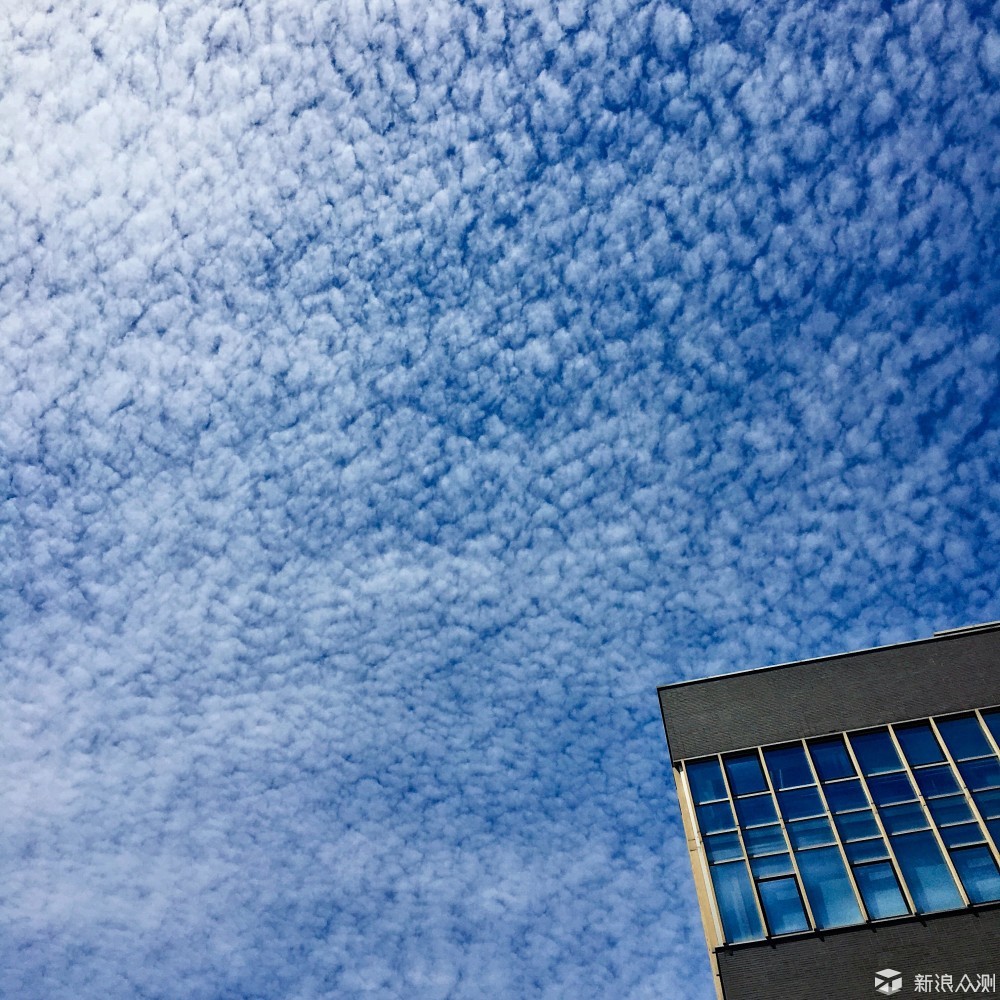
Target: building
{"type": "Point", "coordinates": [843, 820]}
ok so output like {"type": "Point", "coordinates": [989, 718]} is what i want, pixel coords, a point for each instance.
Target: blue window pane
{"type": "Point", "coordinates": [888, 789]}
{"type": "Point", "coordinates": [811, 833]}
{"type": "Point", "coordinates": [828, 888]}
{"type": "Point", "coordinates": [756, 810]}
{"type": "Point", "coordinates": [880, 890]}
{"type": "Point", "coordinates": [962, 835]}
{"type": "Point", "coordinates": [992, 720]}
{"type": "Point", "coordinates": [715, 817]}
{"type": "Point", "coordinates": [994, 827]}
{"type": "Point", "coordinates": [866, 850]}
{"type": "Point", "coordinates": [978, 872]}
{"type": "Point", "coordinates": [764, 840]}
{"type": "Point", "coordinates": [903, 819]}
{"type": "Point", "coordinates": [989, 803]}
{"type": "Point", "coordinates": [723, 847]}
{"type": "Point", "coordinates": [875, 752]}
{"type": "Point", "coordinates": [745, 774]}
{"type": "Point", "coordinates": [734, 894]}
{"type": "Point", "coordinates": [925, 873]}
{"type": "Point", "coordinates": [980, 774]}
{"type": "Point", "coordinates": [773, 864]}
{"type": "Point", "coordinates": [800, 803]}
{"type": "Point", "coordinates": [788, 767]}
{"type": "Point", "coordinates": [705, 778]}
{"type": "Point", "coordinates": [964, 737]}
{"type": "Point", "coordinates": [920, 745]}
{"type": "Point", "coordinates": [936, 780]}
{"type": "Point", "coordinates": [857, 825]}
{"type": "Point", "coordinates": [782, 906]}
{"type": "Point", "coordinates": [831, 759]}
{"type": "Point", "coordinates": [845, 795]}
{"type": "Point", "coordinates": [953, 809]}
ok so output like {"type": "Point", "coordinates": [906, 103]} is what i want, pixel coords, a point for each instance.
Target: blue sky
{"type": "Point", "coordinates": [394, 395]}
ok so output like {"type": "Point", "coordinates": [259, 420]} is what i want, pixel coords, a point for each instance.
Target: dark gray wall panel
{"type": "Point", "coordinates": [851, 691]}
{"type": "Point", "coordinates": [842, 965]}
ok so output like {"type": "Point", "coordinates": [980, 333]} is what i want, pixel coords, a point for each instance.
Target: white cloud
{"type": "Point", "coordinates": [672, 30]}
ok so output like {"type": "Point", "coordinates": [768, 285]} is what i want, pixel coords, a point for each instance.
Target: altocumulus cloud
{"type": "Point", "coordinates": [393, 394]}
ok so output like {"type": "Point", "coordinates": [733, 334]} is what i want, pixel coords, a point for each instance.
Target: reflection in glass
{"type": "Point", "coordinates": [964, 737]}
{"type": "Point", "coordinates": [888, 789]}
{"type": "Point", "coordinates": [745, 774]}
{"type": "Point", "coordinates": [994, 827]}
{"type": "Point", "coordinates": [782, 906]}
{"type": "Point", "coordinates": [788, 767]}
{"type": "Point", "coordinates": [705, 779]}
{"type": "Point", "coordinates": [715, 817]}
{"type": "Point", "coordinates": [875, 752]}
{"type": "Point", "coordinates": [764, 840]}
{"type": "Point", "coordinates": [773, 864]}
{"type": "Point", "coordinates": [989, 803]}
{"type": "Point", "coordinates": [962, 835]}
{"type": "Point", "coordinates": [740, 918]}
{"type": "Point", "coordinates": [979, 774]}
{"type": "Point", "coordinates": [857, 825]}
{"type": "Point", "coordinates": [902, 819]}
{"type": "Point", "coordinates": [845, 795]}
{"type": "Point", "coordinates": [723, 847]}
{"type": "Point", "coordinates": [866, 850]}
{"type": "Point", "coordinates": [919, 744]}
{"type": "Point", "coordinates": [831, 759]}
{"type": "Point", "coordinates": [992, 720]}
{"type": "Point", "coordinates": [926, 875]}
{"type": "Point", "coordinates": [800, 803]}
{"type": "Point", "coordinates": [827, 887]}
{"type": "Point", "coordinates": [953, 809]}
{"type": "Point", "coordinates": [756, 810]}
{"type": "Point", "coordinates": [810, 833]}
{"type": "Point", "coordinates": [978, 872]}
{"type": "Point", "coordinates": [936, 780]}
{"type": "Point", "coordinates": [880, 890]}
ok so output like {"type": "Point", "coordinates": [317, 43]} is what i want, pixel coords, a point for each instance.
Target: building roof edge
{"type": "Point", "coordinates": [944, 635]}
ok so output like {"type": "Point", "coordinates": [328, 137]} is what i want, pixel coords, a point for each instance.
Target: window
{"type": "Point", "coordinates": [966, 837]}
{"type": "Point", "coordinates": [925, 872]}
{"type": "Point", "coordinates": [865, 847]}
{"type": "Point", "coordinates": [855, 827]}
{"type": "Point", "coordinates": [825, 878]}
{"type": "Point", "coordinates": [740, 919]}
{"type": "Point", "coordinates": [964, 737]}
{"type": "Point", "coordinates": [880, 889]}
{"type": "Point", "coordinates": [783, 905]}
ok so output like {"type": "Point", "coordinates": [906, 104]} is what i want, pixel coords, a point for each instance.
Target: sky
{"type": "Point", "coordinates": [393, 395]}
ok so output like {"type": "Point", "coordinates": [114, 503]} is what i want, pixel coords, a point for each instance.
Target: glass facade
{"type": "Point", "coordinates": [854, 827]}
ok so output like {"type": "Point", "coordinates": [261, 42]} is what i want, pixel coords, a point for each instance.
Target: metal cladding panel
{"type": "Point", "coordinates": [851, 691]}
{"type": "Point", "coordinates": [843, 965]}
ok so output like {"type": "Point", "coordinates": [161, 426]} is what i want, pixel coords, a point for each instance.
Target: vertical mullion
{"type": "Point", "coordinates": [862, 777]}
{"type": "Point", "coordinates": [969, 797]}
{"type": "Point", "coordinates": [836, 832]}
{"type": "Point", "coordinates": [706, 875]}
{"type": "Point", "coordinates": [923, 802]}
{"type": "Point", "coordinates": [788, 843]}
{"type": "Point", "coordinates": [739, 833]}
